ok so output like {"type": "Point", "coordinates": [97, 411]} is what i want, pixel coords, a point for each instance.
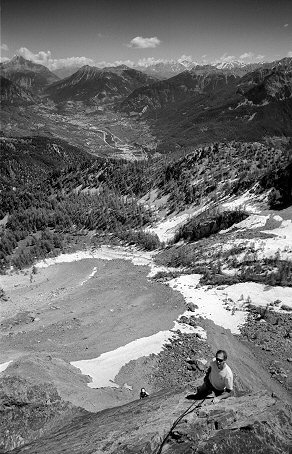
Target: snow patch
{"type": "Point", "coordinates": [166, 229]}
{"type": "Point", "coordinates": [90, 276]}
{"type": "Point", "coordinates": [257, 294]}
{"type": "Point", "coordinates": [280, 245]}
{"type": "Point", "coordinates": [246, 200]}
{"type": "Point", "coordinates": [251, 117]}
{"type": "Point", "coordinates": [4, 366]}
{"type": "Point", "coordinates": [103, 253]}
{"type": "Point", "coordinates": [210, 304]}
{"type": "Point", "coordinates": [105, 367]}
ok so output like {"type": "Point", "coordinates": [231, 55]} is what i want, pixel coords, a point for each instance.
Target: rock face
{"type": "Point", "coordinates": [13, 94]}
{"type": "Point", "coordinates": [255, 423]}
{"type": "Point", "coordinates": [28, 410]}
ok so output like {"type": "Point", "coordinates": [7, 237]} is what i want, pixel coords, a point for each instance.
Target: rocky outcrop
{"type": "Point", "coordinates": [13, 94]}
{"type": "Point", "coordinates": [27, 411]}
{"type": "Point", "coordinates": [255, 423]}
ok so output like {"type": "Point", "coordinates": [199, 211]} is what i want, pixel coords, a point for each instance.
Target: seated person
{"type": "Point", "coordinates": [218, 379]}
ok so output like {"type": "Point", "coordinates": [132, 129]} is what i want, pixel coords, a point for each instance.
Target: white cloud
{"type": "Point", "coordinates": [41, 57]}
{"type": "Point", "coordinates": [225, 58]}
{"type": "Point", "coordinates": [289, 53]}
{"type": "Point", "coordinates": [144, 43]}
{"type": "Point", "coordinates": [103, 64]}
{"type": "Point", "coordinates": [246, 55]}
{"type": "Point", "coordinates": [150, 61]}
{"type": "Point", "coordinates": [45, 58]}
{"type": "Point", "coordinates": [285, 25]}
{"type": "Point", "coordinates": [185, 58]}
{"type": "Point", "coordinates": [70, 61]}
{"type": "Point", "coordinates": [4, 47]}
{"type": "Point", "coordinates": [3, 59]}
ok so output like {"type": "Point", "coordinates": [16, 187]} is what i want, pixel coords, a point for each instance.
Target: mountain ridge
{"type": "Point", "coordinates": [27, 74]}
{"type": "Point", "coordinates": [90, 82]}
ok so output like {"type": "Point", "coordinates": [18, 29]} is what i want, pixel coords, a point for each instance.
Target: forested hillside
{"type": "Point", "coordinates": [42, 218]}
{"type": "Point", "coordinates": [51, 191]}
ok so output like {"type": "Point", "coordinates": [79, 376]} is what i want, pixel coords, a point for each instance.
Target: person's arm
{"type": "Point", "coordinates": [206, 377]}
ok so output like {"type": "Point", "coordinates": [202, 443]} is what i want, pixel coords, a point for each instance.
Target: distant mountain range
{"type": "Point", "coordinates": [200, 104]}
{"type": "Point", "coordinates": [162, 70]}
{"type": "Point", "coordinates": [167, 69]}
{"type": "Point", "coordinates": [208, 104]}
{"type": "Point", "coordinates": [268, 81]}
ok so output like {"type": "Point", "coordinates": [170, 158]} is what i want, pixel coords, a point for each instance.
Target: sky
{"type": "Point", "coordinates": [61, 33]}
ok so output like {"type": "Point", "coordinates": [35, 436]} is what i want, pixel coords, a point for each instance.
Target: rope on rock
{"type": "Point", "coordinates": [186, 412]}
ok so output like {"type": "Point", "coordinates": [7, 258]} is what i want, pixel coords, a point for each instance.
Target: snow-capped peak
{"type": "Point", "coordinates": [230, 64]}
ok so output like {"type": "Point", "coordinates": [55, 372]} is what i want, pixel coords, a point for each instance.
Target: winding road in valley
{"type": "Point", "coordinates": [128, 151]}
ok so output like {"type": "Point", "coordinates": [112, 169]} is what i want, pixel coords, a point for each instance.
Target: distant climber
{"type": "Point", "coordinates": [143, 393]}
{"type": "Point", "coordinates": [218, 379]}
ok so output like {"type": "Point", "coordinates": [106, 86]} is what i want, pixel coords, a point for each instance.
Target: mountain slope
{"type": "Point", "coordinates": [28, 75]}
{"type": "Point", "coordinates": [99, 84]}
{"type": "Point", "coordinates": [13, 94]}
{"type": "Point", "coordinates": [257, 105]}
{"type": "Point", "coordinates": [29, 160]}
{"type": "Point", "coordinates": [178, 88]}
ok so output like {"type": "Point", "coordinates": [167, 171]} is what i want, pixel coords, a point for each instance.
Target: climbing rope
{"type": "Point", "coordinates": [186, 412]}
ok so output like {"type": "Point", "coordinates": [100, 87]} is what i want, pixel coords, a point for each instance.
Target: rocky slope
{"type": "Point", "coordinates": [258, 416]}
{"type": "Point", "coordinates": [28, 410]}
{"type": "Point", "coordinates": [255, 424]}
{"type": "Point", "coordinates": [13, 94]}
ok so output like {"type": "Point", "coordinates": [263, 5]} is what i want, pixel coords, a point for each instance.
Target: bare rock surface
{"type": "Point", "coordinates": [68, 381]}
{"type": "Point", "coordinates": [256, 423]}
{"type": "Point", "coordinates": [28, 410]}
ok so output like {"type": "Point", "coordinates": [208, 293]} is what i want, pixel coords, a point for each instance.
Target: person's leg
{"type": "Point", "coordinates": [204, 389]}
{"type": "Point", "coordinates": [217, 392]}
